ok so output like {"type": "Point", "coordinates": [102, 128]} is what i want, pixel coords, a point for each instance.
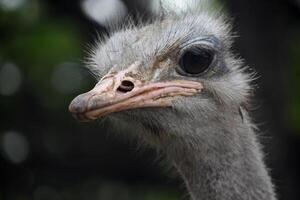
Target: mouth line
{"type": "Point", "coordinates": [152, 95]}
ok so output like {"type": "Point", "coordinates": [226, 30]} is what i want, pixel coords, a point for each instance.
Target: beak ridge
{"type": "Point", "coordinates": [80, 103]}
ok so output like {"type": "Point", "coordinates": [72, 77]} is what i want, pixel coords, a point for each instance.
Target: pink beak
{"type": "Point", "coordinates": [118, 92]}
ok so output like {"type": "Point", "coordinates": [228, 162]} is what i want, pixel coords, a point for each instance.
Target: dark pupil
{"type": "Point", "coordinates": [195, 62]}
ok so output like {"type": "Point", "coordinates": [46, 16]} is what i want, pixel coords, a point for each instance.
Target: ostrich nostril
{"type": "Point", "coordinates": [126, 86]}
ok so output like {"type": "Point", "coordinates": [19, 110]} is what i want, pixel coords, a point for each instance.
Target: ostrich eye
{"type": "Point", "coordinates": [196, 61]}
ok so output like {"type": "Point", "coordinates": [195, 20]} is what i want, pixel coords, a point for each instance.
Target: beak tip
{"type": "Point", "coordinates": [78, 105]}
{"type": "Point", "coordinates": [75, 107]}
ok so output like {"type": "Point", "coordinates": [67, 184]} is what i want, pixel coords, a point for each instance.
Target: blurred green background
{"type": "Point", "coordinates": [46, 154]}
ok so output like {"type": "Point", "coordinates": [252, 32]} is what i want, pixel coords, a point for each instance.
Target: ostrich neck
{"type": "Point", "coordinates": [222, 163]}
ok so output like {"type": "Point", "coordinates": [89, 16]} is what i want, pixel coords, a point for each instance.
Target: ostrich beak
{"type": "Point", "coordinates": [118, 92]}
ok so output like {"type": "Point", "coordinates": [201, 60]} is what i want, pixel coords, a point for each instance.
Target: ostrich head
{"type": "Point", "coordinates": [166, 76]}
{"type": "Point", "coordinates": [177, 81]}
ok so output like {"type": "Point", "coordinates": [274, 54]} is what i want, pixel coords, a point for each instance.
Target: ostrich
{"type": "Point", "coordinates": [176, 80]}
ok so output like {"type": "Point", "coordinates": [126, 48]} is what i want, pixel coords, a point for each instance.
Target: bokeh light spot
{"type": "Point", "coordinates": [105, 12]}
{"type": "Point", "coordinates": [181, 6]}
{"type": "Point", "coordinates": [178, 5]}
{"type": "Point", "coordinates": [67, 78]}
{"type": "Point", "coordinates": [15, 147]}
{"type": "Point", "coordinates": [10, 79]}
{"type": "Point", "coordinates": [11, 4]}
{"type": "Point", "coordinates": [155, 6]}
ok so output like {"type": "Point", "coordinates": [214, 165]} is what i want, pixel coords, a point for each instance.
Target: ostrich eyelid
{"type": "Point", "coordinates": [210, 41]}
